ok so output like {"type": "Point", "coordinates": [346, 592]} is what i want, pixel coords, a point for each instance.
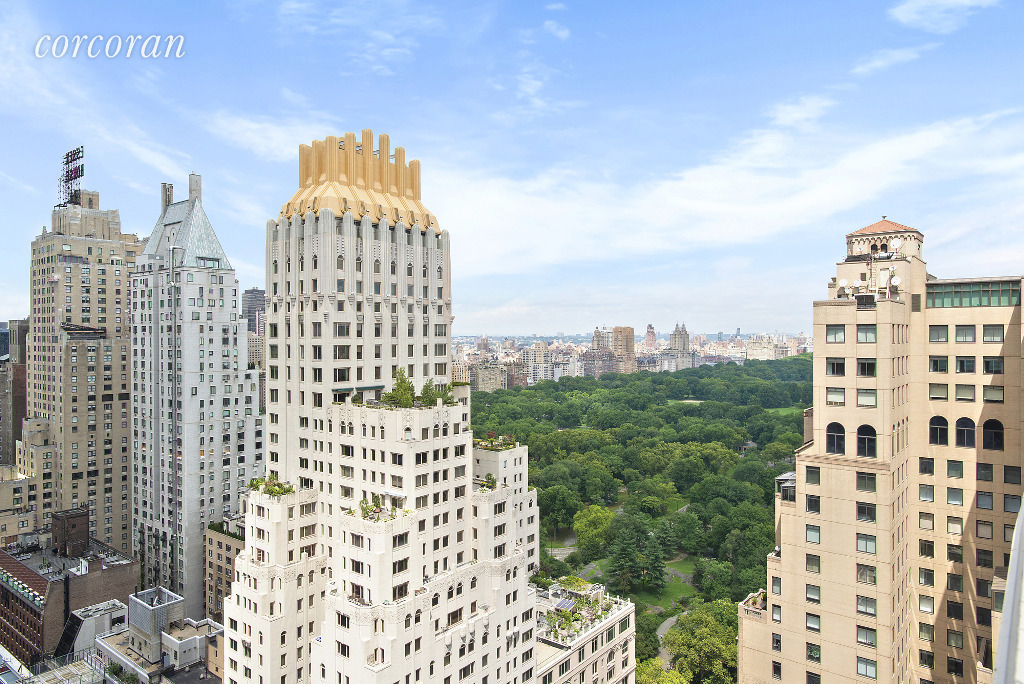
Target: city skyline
{"type": "Point", "coordinates": [737, 154]}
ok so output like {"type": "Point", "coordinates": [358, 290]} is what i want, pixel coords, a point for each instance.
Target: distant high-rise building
{"type": "Point", "coordinates": [197, 432]}
{"type": "Point", "coordinates": [483, 344]}
{"type": "Point", "coordinates": [651, 339]}
{"type": "Point", "coordinates": [893, 531]}
{"type": "Point", "coordinates": [13, 392]}
{"type": "Point", "coordinates": [76, 438]}
{"type": "Point", "coordinates": [254, 300]}
{"type": "Point", "coordinates": [623, 345]}
{"type": "Point", "coordinates": [487, 376]}
{"type": "Point", "coordinates": [601, 339]}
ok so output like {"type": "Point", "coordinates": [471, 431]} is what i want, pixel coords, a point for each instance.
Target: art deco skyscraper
{"type": "Point", "coordinates": [197, 433]}
{"type": "Point", "coordinates": [378, 550]}
{"type": "Point", "coordinates": [75, 439]}
{"type": "Point", "coordinates": [893, 530]}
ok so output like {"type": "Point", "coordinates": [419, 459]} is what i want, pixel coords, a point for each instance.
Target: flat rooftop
{"type": "Point", "coordinates": [30, 571]}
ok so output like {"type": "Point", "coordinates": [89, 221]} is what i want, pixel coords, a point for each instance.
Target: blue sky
{"type": "Point", "coordinates": [596, 163]}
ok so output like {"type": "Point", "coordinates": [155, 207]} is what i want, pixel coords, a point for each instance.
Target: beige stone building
{"type": "Point", "coordinates": [78, 353]}
{"type": "Point", "coordinates": [623, 345]}
{"type": "Point", "coordinates": [898, 519]}
{"type": "Point", "coordinates": [223, 542]}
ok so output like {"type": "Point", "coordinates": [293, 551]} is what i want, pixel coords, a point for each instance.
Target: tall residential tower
{"type": "Point", "coordinates": [897, 522]}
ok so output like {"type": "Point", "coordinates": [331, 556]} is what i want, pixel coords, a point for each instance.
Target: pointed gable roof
{"type": "Point", "coordinates": [884, 226]}
{"type": "Point", "coordinates": [193, 232]}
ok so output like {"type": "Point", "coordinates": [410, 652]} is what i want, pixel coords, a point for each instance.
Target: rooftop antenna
{"type": "Point", "coordinates": [883, 217]}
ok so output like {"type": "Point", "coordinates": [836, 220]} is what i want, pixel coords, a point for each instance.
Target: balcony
{"type": "Point", "coordinates": [754, 607]}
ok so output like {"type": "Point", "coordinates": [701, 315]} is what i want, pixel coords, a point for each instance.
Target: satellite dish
{"type": "Point", "coordinates": [857, 283]}
{"type": "Point", "coordinates": [893, 267]}
{"type": "Point", "coordinates": [896, 280]}
{"type": "Point", "coordinates": [843, 283]}
{"type": "Point", "coordinates": [896, 243]}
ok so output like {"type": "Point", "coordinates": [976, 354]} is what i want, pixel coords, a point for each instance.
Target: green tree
{"type": "Point", "coordinates": [403, 393]}
{"type": "Point", "coordinates": [623, 568]}
{"type": "Point", "coordinates": [702, 644]}
{"type": "Point", "coordinates": [591, 526]}
{"type": "Point", "coordinates": [652, 566]}
{"type": "Point", "coordinates": [647, 642]}
{"type": "Point", "coordinates": [713, 577]}
{"type": "Point", "coordinates": [558, 505]}
{"type": "Point", "coordinates": [428, 394]}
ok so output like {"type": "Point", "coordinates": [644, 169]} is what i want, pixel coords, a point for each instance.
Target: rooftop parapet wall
{"type": "Point", "coordinates": [346, 174]}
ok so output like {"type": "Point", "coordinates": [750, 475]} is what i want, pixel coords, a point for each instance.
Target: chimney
{"type": "Point", "coordinates": [195, 187]}
{"type": "Point", "coordinates": [166, 196]}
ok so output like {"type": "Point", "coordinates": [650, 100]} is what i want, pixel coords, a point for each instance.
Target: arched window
{"type": "Point", "coordinates": [472, 583]}
{"type": "Point", "coordinates": [419, 614]}
{"type": "Point", "coordinates": [424, 270]}
{"type": "Point", "coordinates": [408, 621]}
{"type": "Point", "coordinates": [884, 247]}
{"type": "Point", "coordinates": [866, 441]}
{"type": "Point", "coordinates": [341, 262]}
{"type": "Point", "coordinates": [451, 592]}
{"type": "Point", "coordinates": [376, 266]}
{"type": "Point", "coordinates": [359, 264]}
{"type": "Point", "coordinates": [992, 435]}
{"type": "Point", "coordinates": [437, 430]}
{"type": "Point", "coordinates": [439, 272]}
{"type": "Point", "coordinates": [938, 431]}
{"type": "Point", "coordinates": [302, 263]}
{"type": "Point", "coordinates": [394, 268]}
{"type": "Point", "coordinates": [408, 434]}
{"type": "Point", "coordinates": [408, 270]}
{"type": "Point", "coordinates": [835, 439]}
{"type": "Point", "coordinates": [435, 599]}
{"type": "Point", "coordinates": [965, 433]}
{"type": "Point", "coordinates": [458, 589]}
{"type": "Point", "coordinates": [275, 266]}
{"type": "Point", "coordinates": [874, 248]}
{"type": "Point", "coordinates": [444, 430]}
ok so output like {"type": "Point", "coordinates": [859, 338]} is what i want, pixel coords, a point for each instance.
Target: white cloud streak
{"type": "Point", "coordinates": [883, 59]}
{"type": "Point", "coordinates": [801, 112]}
{"type": "Point", "coordinates": [557, 30]}
{"type": "Point", "coordinates": [937, 16]}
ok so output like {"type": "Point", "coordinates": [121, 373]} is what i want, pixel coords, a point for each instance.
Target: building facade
{"type": "Point", "coordinates": [223, 542]}
{"type": "Point", "coordinates": [254, 301]}
{"type": "Point", "coordinates": [77, 353]}
{"type": "Point", "coordinates": [377, 549]}
{"type": "Point", "coordinates": [196, 429]}
{"type": "Point", "coordinates": [899, 517]}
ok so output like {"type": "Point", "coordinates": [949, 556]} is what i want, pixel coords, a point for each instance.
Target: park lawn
{"type": "Point", "coordinates": [786, 410]}
{"type": "Point", "coordinates": [674, 589]}
{"type": "Point", "coordinates": [684, 566]}
{"type": "Point", "coordinates": [675, 503]}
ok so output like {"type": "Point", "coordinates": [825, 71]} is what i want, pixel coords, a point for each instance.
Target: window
{"type": "Point", "coordinates": [813, 534]}
{"type": "Point", "coordinates": [992, 394]}
{"type": "Point", "coordinates": [776, 585]}
{"type": "Point", "coordinates": [866, 368]}
{"type": "Point", "coordinates": [813, 593]}
{"type": "Point", "coordinates": [813, 503]}
{"type": "Point", "coordinates": [926, 604]}
{"type": "Point", "coordinates": [835, 439]}
{"type": "Point", "coordinates": [776, 669]}
{"type": "Point", "coordinates": [926, 466]}
{"type": "Point", "coordinates": [866, 333]}
{"type": "Point", "coordinates": [866, 440]}
{"type": "Point", "coordinates": [926, 521]}
{"type": "Point", "coordinates": [813, 622]}
{"type": "Point", "coordinates": [985, 472]}
{"type": "Point", "coordinates": [813, 475]}
{"type": "Point", "coordinates": [776, 642]}
{"type": "Point", "coordinates": [835, 396]}
{"type": "Point", "coordinates": [865, 543]}
{"type": "Point", "coordinates": [813, 678]}
{"type": "Point", "coordinates": [866, 605]}
{"type": "Point", "coordinates": [992, 365]}
{"type": "Point", "coordinates": [866, 482]}
{"type": "Point", "coordinates": [965, 433]}
{"type": "Point", "coordinates": [926, 548]}
{"type": "Point", "coordinates": [985, 500]}
{"type": "Point", "coordinates": [984, 558]}
{"type": "Point", "coordinates": [835, 366]}
{"type": "Point", "coordinates": [992, 438]}
{"type": "Point", "coordinates": [965, 392]}
{"type": "Point", "coordinates": [955, 469]}
{"type": "Point", "coordinates": [925, 632]}
{"type": "Point", "coordinates": [926, 658]}
{"type": "Point", "coordinates": [867, 668]}
{"type": "Point", "coordinates": [954, 610]}
{"type": "Point", "coordinates": [938, 430]}
{"type": "Point", "coordinates": [965, 333]}
{"type": "Point", "coordinates": [835, 333]}
{"type": "Point", "coordinates": [954, 525]}
{"type": "Point", "coordinates": [866, 636]}
{"type": "Point", "coordinates": [938, 391]}
{"type": "Point", "coordinates": [993, 333]}
{"type": "Point", "coordinates": [865, 512]}
{"type": "Point", "coordinates": [955, 553]}
{"type": "Point", "coordinates": [984, 588]}
{"type": "Point", "coordinates": [866, 574]}
{"type": "Point", "coordinates": [1011, 503]}
{"type": "Point", "coordinates": [867, 398]}
{"type": "Point", "coordinates": [812, 563]}
{"type": "Point", "coordinates": [813, 652]}
{"type": "Point", "coordinates": [938, 333]}
{"type": "Point", "coordinates": [984, 529]}
{"type": "Point", "coordinates": [1011, 474]}
{"type": "Point", "coordinates": [776, 613]}
{"type": "Point", "coordinates": [938, 364]}
{"type": "Point", "coordinates": [965, 364]}
{"type": "Point", "coordinates": [926, 492]}
{"type": "Point", "coordinates": [926, 577]}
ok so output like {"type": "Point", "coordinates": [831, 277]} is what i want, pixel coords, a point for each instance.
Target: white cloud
{"type": "Point", "coordinates": [557, 30]}
{"type": "Point", "coordinates": [17, 184]}
{"type": "Point", "coordinates": [937, 16]}
{"type": "Point", "coordinates": [803, 111]}
{"type": "Point", "coordinates": [883, 59]}
{"type": "Point", "coordinates": [556, 6]}
{"type": "Point", "coordinates": [268, 137]}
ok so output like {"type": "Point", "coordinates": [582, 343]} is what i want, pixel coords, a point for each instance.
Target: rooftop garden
{"type": "Point", "coordinates": [270, 485]}
{"type": "Point", "coordinates": [403, 395]}
{"type": "Point", "coordinates": [495, 442]}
